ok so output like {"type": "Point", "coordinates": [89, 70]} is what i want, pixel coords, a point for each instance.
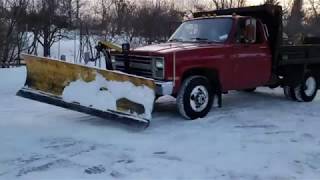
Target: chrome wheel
{"type": "Point", "coordinates": [199, 98]}
{"type": "Point", "coordinates": [310, 86]}
{"type": "Point", "coordinates": [195, 97]}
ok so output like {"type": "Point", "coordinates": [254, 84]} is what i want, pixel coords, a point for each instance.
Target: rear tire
{"type": "Point", "coordinates": [307, 90]}
{"type": "Point", "coordinates": [195, 97]}
{"type": "Point", "coordinates": [289, 93]}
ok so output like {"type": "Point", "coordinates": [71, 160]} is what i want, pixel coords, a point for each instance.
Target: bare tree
{"type": "Point", "coordinates": [313, 18]}
{"type": "Point", "coordinates": [46, 22]}
{"type": "Point", "coordinates": [295, 21]}
{"type": "Point", "coordinates": [156, 22]}
{"type": "Point", "coordinates": [272, 2]}
{"type": "Point", "coordinates": [315, 8]}
{"type": "Point", "coordinates": [12, 13]}
{"type": "Point", "coordinates": [225, 4]}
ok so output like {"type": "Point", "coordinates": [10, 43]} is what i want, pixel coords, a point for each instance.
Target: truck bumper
{"type": "Point", "coordinates": [164, 88]}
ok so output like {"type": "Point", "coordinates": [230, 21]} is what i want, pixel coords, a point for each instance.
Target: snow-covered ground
{"type": "Point", "coordinates": [258, 136]}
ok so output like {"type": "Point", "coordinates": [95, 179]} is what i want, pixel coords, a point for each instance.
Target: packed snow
{"type": "Point", "coordinates": [89, 94]}
{"type": "Point", "coordinates": [255, 136]}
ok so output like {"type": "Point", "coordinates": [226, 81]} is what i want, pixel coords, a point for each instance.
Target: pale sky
{"type": "Point", "coordinates": [190, 3]}
{"type": "Point", "coordinates": [254, 2]}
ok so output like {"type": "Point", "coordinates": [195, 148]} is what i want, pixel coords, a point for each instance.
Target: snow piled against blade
{"type": "Point", "coordinates": [104, 95]}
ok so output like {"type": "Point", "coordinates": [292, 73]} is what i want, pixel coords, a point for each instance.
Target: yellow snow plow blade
{"type": "Point", "coordinates": [103, 93]}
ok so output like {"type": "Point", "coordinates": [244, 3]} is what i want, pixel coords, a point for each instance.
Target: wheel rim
{"type": "Point", "coordinates": [310, 86]}
{"type": "Point", "coordinates": [199, 98]}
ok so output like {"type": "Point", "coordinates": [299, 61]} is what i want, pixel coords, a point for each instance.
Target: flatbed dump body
{"type": "Point", "coordinates": [299, 54]}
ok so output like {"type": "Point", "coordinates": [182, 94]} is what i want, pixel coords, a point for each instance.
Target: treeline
{"type": "Point", "coordinates": [302, 19]}
{"type": "Point", "coordinates": [44, 22]}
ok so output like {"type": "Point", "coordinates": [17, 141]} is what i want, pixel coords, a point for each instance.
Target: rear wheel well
{"type": "Point", "coordinates": [294, 74]}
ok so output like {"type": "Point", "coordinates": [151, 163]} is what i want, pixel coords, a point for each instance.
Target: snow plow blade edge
{"type": "Point", "coordinates": [103, 93]}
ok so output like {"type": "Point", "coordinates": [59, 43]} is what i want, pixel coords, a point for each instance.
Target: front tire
{"type": "Point", "coordinates": [195, 97]}
{"type": "Point", "coordinates": [307, 90]}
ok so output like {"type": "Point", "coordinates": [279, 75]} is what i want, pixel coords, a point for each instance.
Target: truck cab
{"type": "Point", "coordinates": [230, 52]}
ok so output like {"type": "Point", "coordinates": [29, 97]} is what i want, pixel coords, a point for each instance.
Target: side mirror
{"type": "Point", "coordinates": [251, 30]}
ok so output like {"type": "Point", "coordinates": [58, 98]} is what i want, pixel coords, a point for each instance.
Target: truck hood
{"type": "Point", "coordinates": [172, 47]}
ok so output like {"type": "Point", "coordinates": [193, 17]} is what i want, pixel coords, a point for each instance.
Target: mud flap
{"type": "Point", "coordinates": [107, 94]}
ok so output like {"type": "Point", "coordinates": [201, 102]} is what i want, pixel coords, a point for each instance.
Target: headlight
{"type": "Point", "coordinates": [158, 68]}
{"type": "Point", "coordinates": [159, 63]}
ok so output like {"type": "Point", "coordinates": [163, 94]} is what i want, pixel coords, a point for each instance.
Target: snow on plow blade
{"type": "Point", "coordinates": [103, 93]}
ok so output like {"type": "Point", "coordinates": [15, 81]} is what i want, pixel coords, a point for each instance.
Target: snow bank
{"type": "Point", "coordinates": [12, 79]}
{"type": "Point", "coordinates": [103, 95]}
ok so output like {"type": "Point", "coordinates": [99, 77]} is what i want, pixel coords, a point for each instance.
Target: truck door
{"type": "Point", "coordinates": [252, 59]}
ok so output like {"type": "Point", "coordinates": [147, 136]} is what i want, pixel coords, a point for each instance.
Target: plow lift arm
{"type": "Point", "coordinates": [104, 48]}
{"type": "Point", "coordinates": [99, 92]}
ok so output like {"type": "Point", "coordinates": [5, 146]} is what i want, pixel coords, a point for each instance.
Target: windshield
{"type": "Point", "coordinates": [203, 30]}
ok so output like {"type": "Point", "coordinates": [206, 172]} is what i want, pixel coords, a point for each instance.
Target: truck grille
{"type": "Point", "coordinates": [139, 65]}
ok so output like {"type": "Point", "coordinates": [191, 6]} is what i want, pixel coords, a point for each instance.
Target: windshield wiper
{"type": "Point", "coordinates": [204, 40]}
{"type": "Point", "coordinates": [200, 39]}
{"type": "Point", "coordinates": [176, 40]}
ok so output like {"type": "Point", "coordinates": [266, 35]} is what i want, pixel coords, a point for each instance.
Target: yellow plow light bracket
{"type": "Point", "coordinates": [110, 45]}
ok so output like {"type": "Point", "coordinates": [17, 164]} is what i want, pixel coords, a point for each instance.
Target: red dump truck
{"type": "Point", "coordinates": [218, 51]}
{"type": "Point", "coordinates": [208, 55]}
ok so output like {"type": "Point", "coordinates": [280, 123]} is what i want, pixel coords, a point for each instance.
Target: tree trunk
{"type": "Point", "coordinates": [46, 50]}
{"type": "Point", "coordinates": [46, 45]}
